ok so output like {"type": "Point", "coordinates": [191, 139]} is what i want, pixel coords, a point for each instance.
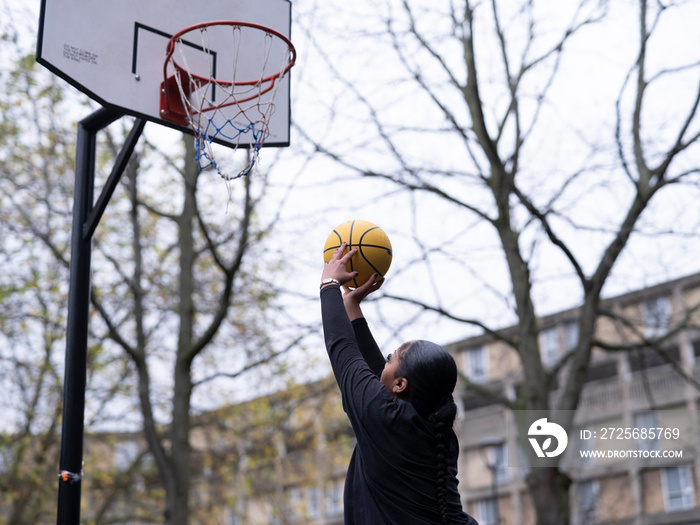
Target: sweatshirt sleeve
{"type": "Point", "coordinates": [368, 346]}
{"type": "Point", "coordinates": [358, 384]}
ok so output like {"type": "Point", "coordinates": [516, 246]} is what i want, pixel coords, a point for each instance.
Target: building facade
{"type": "Point", "coordinates": [633, 450]}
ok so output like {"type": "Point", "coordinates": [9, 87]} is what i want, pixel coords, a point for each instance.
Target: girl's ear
{"type": "Point", "coordinates": [400, 385]}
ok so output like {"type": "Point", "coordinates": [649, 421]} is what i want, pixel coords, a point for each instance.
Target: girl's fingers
{"type": "Point", "coordinates": [338, 255]}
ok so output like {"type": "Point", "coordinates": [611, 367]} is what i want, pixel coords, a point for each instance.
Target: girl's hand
{"type": "Point", "coordinates": [353, 298]}
{"type": "Point", "coordinates": [358, 294]}
{"type": "Point", "coordinates": [336, 268]}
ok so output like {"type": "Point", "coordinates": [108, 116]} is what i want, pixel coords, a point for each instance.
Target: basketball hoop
{"type": "Point", "coordinates": [219, 96]}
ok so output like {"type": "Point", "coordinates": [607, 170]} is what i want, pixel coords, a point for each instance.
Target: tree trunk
{"type": "Point", "coordinates": [549, 488]}
{"type": "Point", "coordinates": [177, 501]}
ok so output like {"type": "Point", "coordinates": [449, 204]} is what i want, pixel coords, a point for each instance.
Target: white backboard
{"type": "Point", "coordinates": [114, 50]}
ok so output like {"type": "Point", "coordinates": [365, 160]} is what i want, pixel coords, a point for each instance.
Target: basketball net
{"type": "Point", "coordinates": [234, 105]}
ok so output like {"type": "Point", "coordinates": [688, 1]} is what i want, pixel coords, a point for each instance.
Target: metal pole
{"type": "Point", "coordinates": [70, 466]}
{"type": "Point", "coordinates": [489, 448]}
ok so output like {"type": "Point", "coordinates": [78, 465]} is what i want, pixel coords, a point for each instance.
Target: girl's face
{"type": "Point", "coordinates": [389, 378]}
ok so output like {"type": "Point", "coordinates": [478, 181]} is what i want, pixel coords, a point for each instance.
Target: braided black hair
{"type": "Point", "coordinates": [443, 419]}
{"type": "Point", "coordinates": [431, 373]}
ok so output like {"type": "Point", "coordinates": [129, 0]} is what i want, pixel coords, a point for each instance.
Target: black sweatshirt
{"type": "Point", "coordinates": [392, 474]}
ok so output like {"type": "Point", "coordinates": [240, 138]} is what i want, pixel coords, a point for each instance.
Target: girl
{"type": "Point", "coordinates": [404, 466]}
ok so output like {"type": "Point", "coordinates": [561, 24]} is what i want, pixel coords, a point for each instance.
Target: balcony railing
{"type": "Point", "coordinates": [656, 386]}
{"type": "Point", "coordinates": [602, 394]}
{"type": "Point", "coordinates": [648, 388]}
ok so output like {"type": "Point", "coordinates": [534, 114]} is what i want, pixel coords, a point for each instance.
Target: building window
{"type": "Point", "coordinates": [125, 454]}
{"type": "Point", "coordinates": [587, 499]}
{"type": "Point", "coordinates": [678, 488]}
{"type": "Point", "coordinates": [647, 420]}
{"type": "Point", "coordinates": [499, 464]}
{"type": "Point", "coordinates": [486, 511]}
{"type": "Point", "coordinates": [549, 345]}
{"type": "Point", "coordinates": [570, 335]}
{"type": "Point", "coordinates": [294, 505]}
{"type": "Point", "coordinates": [5, 461]}
{"type": "Point", "coordinates": [476, 364]}
{"type": "Point", "coordinates": [294, 496]}
{"type": "Point", "coordinates": [313, 502]}
{"type": "Point", "coordinates": [334, 499]}
{"type": "Point", "coordinates": [656, 314]}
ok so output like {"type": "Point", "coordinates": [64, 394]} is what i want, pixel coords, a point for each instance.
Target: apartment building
{"type": "Point", "coordinates": [638, 412]}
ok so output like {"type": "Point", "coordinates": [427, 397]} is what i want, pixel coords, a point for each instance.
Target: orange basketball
{"type": "Point", "coordinates": [373, 249]}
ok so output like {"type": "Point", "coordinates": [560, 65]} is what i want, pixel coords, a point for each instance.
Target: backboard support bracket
{"type": "Point", "coordinates": [172, 108]}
